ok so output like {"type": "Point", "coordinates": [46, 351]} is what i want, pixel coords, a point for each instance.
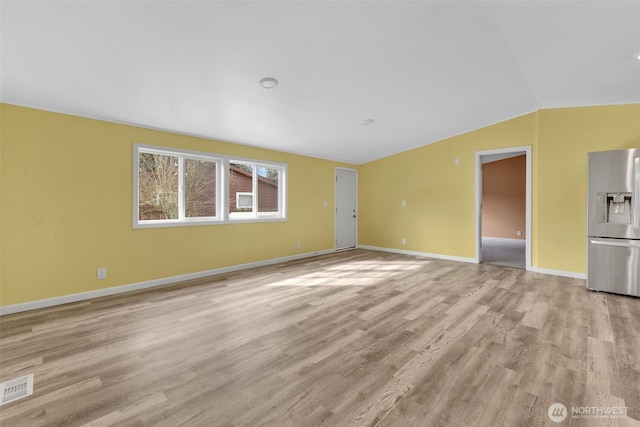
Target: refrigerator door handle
{"type": "Point", "coordinates": [612, 242]}
{"type": "Point", "coordinates": [636, 191]}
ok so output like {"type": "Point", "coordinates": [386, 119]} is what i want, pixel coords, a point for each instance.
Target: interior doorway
{"type": "Point", "coordinates": [503, 207]}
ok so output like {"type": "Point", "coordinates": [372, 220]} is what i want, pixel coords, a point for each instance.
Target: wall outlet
{"type": "Point", "coordinates": [102, 273]}
{"type": "Point", "coordinates": [298, 245]}
{"type": "Point", "coordinates": [404, 242]}
{"type": "Point", "coordinates": [404, 203]}
{"type": "Point", "coordinates": [519, 233]}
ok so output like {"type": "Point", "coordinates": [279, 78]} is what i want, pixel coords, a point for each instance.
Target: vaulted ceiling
{"type": "Point", "coordinates": [422, 71]}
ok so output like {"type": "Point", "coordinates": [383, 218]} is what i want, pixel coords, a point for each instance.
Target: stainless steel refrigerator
{"type": "Point", "coordinates": [613, 217]}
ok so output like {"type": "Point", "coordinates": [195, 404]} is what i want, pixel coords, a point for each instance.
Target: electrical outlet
{"type": "Point", "coordinates": [298, 245]}
{"type": "Point", "coordinates": [519, 233]}
{"type": "Point", "coordinates": [404, 242]}
{"type": "Point", "coordinates": [102, 273]}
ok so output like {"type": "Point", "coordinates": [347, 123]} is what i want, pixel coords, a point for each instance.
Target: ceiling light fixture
{"type": "Point", "coordinates": [268, 83]}
{"type": "Point", "coordinates": [367, 122]}
{"type": "Point", "coordinates": [637, 55]}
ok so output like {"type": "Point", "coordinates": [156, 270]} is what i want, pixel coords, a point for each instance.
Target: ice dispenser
{"type": "Point", "coordinates": [613, 208]}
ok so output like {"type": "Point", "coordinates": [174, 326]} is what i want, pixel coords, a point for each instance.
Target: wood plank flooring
{"type": "Point", "coordinates": [357, 338]}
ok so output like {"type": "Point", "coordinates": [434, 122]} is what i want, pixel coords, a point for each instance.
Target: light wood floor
{"type": "Point", "coordinates": [352, 338]}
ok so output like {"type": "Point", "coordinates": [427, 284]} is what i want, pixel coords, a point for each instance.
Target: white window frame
{"type": "Point", "coordinates": [254, 215]}
{"type": "Point", "coordinates": [182, 155]}
{"type": "Point", "coordinates": [222, 189]}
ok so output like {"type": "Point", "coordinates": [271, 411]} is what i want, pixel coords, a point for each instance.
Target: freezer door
{"type": "Point", "coordinates": [614, 266]}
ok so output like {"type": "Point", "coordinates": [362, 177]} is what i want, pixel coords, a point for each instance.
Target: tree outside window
{"type": "Point", "coordinates": [160, 177]}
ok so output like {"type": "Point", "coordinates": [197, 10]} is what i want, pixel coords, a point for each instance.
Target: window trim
{"type": "Point", "coordinates": [255, 215]}
{"type": "Point", "coordinates": [222, 189]}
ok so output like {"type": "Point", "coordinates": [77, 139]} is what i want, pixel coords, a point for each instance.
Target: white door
{"type": "Point", "coordinates": [346, 208]}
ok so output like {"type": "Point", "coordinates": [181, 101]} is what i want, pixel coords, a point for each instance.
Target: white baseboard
{"type": "Point", "coordinates": [540, 270]}
{"type": "Point", "coordinates": [420, 254]}
{"type": "Point", "coordinates": [571, 274]}
{"type": "Point", "coordinates": [509, 239]}
{"type": "Point", "coordinates": [65, 299]}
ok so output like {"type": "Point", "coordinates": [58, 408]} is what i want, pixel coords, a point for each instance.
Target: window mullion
{"type": "Point", "coordinates": [254, 190]}
{"type": "Point", "coordinates": [181, 193]}
{"type": "Point", "coordinates": [225, 192]}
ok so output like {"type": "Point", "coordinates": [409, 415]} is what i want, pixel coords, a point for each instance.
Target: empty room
{"type": "Point", "coordinates": [279, 213]}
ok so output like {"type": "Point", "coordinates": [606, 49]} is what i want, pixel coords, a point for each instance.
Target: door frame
{"type": "Point", "coordinates": [335, 206]}
{"type": "Point", "coordinates": [478, 208]}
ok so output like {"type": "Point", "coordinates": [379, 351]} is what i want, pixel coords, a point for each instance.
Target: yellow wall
{"type": "Point", "coordinates": [66, 209]}
{"type": "Point", "coordinates": [439, 216]}
{"type": "Point", "coordinates": [566, 136]}
{"type": "Point", "coordinates": [66, 204]}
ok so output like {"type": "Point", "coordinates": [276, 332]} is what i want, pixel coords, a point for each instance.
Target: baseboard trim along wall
{"type": "Point", "coordinates": [570, 274]}
{"type": "Point", "coordinates": [65, 299]}
{"type": "Point", "coordinates": [420, 254]}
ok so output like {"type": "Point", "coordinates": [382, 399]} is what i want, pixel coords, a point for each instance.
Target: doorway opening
{"type": "Point", "coordinates": [503, 207]}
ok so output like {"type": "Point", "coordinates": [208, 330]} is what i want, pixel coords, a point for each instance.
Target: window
{"type": "Point", "coordinates": [177, 187]}
{"type": "Point", "coordinates": [256, 190]}
{"type": "Point", "coordinates": [244, 200]}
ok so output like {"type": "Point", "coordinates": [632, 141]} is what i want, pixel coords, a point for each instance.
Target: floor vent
{"type": "Point", "coordinates": [16, 389]}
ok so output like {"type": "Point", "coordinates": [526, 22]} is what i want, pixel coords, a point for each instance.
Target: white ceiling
{"type": "Point", "coordinates": [423, 70]}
